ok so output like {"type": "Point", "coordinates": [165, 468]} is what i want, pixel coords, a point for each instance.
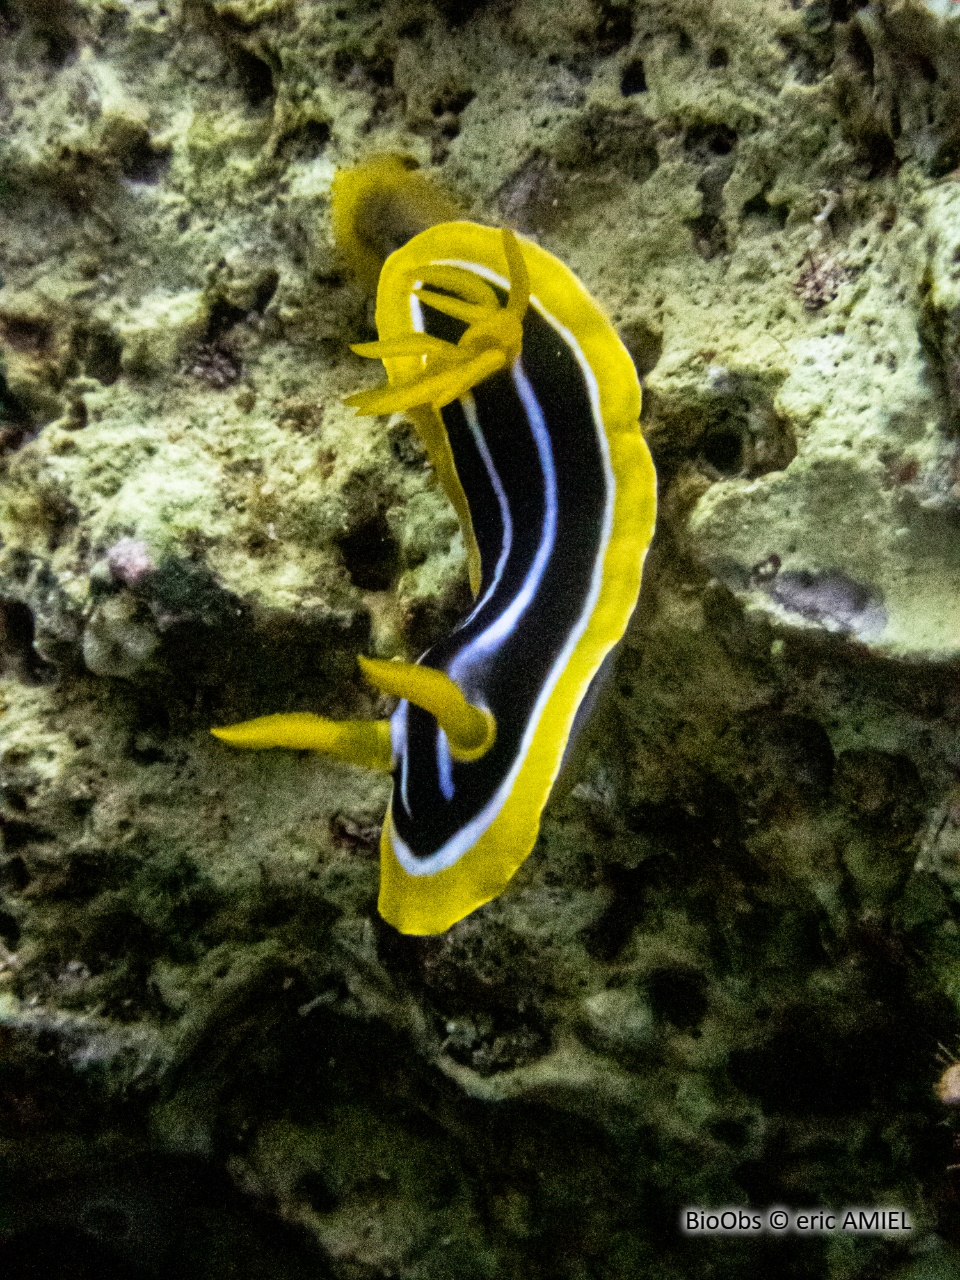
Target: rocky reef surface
{"type": "Point", "coordinates": [730, 973]}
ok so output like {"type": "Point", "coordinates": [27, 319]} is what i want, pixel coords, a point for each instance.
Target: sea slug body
{"type": "Point", "coordinates": [528, 405]}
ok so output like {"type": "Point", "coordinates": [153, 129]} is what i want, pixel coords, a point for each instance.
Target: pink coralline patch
{"type": "Point", "coordinates": [130, 562]}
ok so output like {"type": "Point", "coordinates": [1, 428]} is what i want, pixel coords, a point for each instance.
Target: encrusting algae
{"type": "Point", "coordinates": [726, 973]}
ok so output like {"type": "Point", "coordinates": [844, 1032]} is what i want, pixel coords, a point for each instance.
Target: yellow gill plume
{"type": "Point", "coordinates": [491, 341]}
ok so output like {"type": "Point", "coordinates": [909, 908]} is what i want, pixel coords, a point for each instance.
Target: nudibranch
{"type": "Point", "coordinates": [528, 405]}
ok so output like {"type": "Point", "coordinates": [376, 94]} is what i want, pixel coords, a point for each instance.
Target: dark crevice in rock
{"type": "Point", "coordinates": [371, 555]}
{"type": "Point", "coordinates": [940, 341]}
{"type": "Point", "coordinates": [739, 432]}
{"type": "Point", "coordinates": [17, 654]}
{"type": "Point", "coordinates": [633, 78]}
{"type": "Point", "coordinates": [712, 147]}
{"type": "Point", "coordinates": [9, 930]}
{"type": "Point", "coordinates": [645, 345]}
{"type": "Point", "coordinates": [310, 138]}
{"type": "Point", "coordinates": [222, 317]}
{"type": "Point", "coordinates": [759, 207]}
{"type": "Point", "coordinates": [614, 27]}
{"type": "Point", "coordinates": [679, 994]}
{"type": "Point", "coordinates": [16, 425]}
{"type": "Point", "coordinates": [255, 74]}
{"type": "Point", "coordinates": [14, 876]}
{"type": "Point", "coordinates": [459, 12]}
{"type": "Point", "coordinates": [20, 834]}
{"type": "Point", "coordinates": [142, 162]}
{"type": "Point", "coordinates": [98, 351]}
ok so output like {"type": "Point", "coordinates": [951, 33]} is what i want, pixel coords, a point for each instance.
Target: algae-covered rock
{"type": "Point", "coordinates": [730, 973]}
